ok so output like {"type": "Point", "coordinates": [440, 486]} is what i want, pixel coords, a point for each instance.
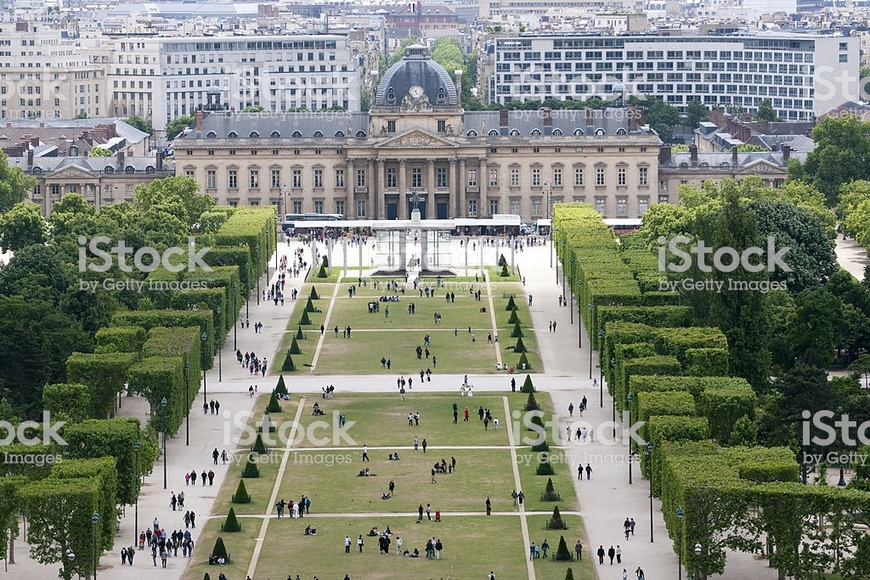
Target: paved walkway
{"type": "Point", "coordinates": [605, 500]}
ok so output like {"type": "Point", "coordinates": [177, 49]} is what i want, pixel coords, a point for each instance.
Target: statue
{"type": "Point", "coordinates": [383, 130]}
{"type": "Point", "coordinates": [449, 130]}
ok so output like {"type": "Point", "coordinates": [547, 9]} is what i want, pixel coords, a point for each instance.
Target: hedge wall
{"type": "Point", "coordinates": [156, 378]}
{"type": "Point", "coordinates": [104, 374]}
{"type": "Point", "coordinates": [97, 438]}
{"type": "Point", "coordinates": [120, 339]}
{"type": "Point", "coordinates": [178, 341]}
{"type": "Point", "coordinates": [149, 319]}
{"type": "Point", "coordinates": [103, 469]}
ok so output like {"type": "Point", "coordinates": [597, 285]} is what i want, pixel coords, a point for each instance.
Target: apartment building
{"type": "Point", "coordinates": [44, 74]}
{"type": "Point", "coordinates": [804, 75]}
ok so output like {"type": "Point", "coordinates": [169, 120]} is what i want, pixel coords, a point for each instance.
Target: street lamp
{"type": "Point", "coordinates": [236, 314]}
{"type": "Point", "coordinates": [204, 338]}
{"type": "Point", "coordinates": [698, 551]}
{"type": "Point", "coordinates": [680, 544]}
{"type": "Point", "coordinates": [649, 450]}
{"type": "Point", "coordinates": [571, 291]}
{"type": "Point", "coordinates": [94, 519]}
{"type": "Point", "coordinates": [163, 416]}
{"type": "Point", "coordinates": [591, 318]}
{"type": "Point", "coordinates": [219, 349]}
{"type": "Point", "coordinates": [248, 293]}
{"type": "Point", "coordinates": [842, 482]}
{"type": "Point", "coordinates": [579, 318]}
{"type": "Point", "coordinates": [561, 257]}
{"type": "Point", "coordinates": [257, 248]}
{"type": "Point", "coordinates": [187, 401]}
{"type": "Point", "coordinates": [629, 439]}
{"type": "Point", "coordinates": [70, 556]}
{"type": "Point", "coordinates": [136, 447]}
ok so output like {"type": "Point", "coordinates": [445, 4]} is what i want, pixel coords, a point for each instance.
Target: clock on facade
{"type": "Point", "coordinates": [416, 91]}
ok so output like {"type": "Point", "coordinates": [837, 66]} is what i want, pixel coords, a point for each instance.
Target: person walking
{"type": "Point", "coordinates": [359, 543]}
{"type": "Point", "coordinates": [365, 453]}
{"type": "Point", "coordinates": [588, 471]}
{"type": "Point", "coordinates": [618, 554]}
{"type": "Point", "coordinates": [600, 554]}
{"type": "Point", "coordinates": [488, 506]}
{"type": "Point", "coordinates": [424, 444]}
{"type": "Point", "coordinates": [578, 550]}
{"type": "Point", "coordinates": [347, 544]}
{"type": "Point", "coordinates": [611, 553]}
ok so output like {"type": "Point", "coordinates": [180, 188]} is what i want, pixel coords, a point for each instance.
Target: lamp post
{"type": "Point", "coordinates": [649, 449]}
{"type": "Point", "coordinates": [680, 544]}
{"type": "Point", "coordinates": [562, 257]}
{"type": "Point", "coordinates": [70, 558]}
{"type": "Point", "coordinates": [698, 550]}
{"type": "Point", "coordinates": [219, 349]}
{"type": "Point", "coordinates": [163, 413]}
{"type": "Point", "coordinates": [257, 249]}
{"type": "Point", "coordinates": [187, 402]}
{"type": "Point", "coordinates": [94, 519]}
{"type": "Point", "coordinates": [276, 238]}
{"type": "Point", "coordinates": [591, 346]}
{"type": "Point", "coordinates": [553, 243]}
{"type": "Point", "coordinates": [842, 482]}
{"type": "Point", "coordinates": [236, 314]}
{"type": "Point", "coordinates": [629, 439]}
{"type": "Point", "coordinates": [204, 338]}
{"type": "Point", "coordinates": [579, 318]}
{"type": "Point", "coordinates": [248, 294]}
{"type": "Point", "coordinates": [136, 447]}
{"type": "Point", "coordinates": [571, 291]}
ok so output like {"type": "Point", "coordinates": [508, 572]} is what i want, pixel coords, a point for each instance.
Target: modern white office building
{"type": "Point", "coordinates": [804, 75]}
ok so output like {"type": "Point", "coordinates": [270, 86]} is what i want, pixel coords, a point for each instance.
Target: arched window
{"type": "Point", "coordinates": [275, 135]}
{"type": "Point", "coordinates": [318, 134]}
{"type": "Point", "coordinates": [297, 135]}
{"type": "Point", "coordinates": [620, 131]}
{"type": "Point", "coordinates": [254, 135]}
{"type": "Point", "coordinates": [725, 164]}
{"type": "Point", "coordinates": [233, 135]}
{"type": "Point", "coordinates": [515, 133]}
{"type": "Point", "coordinates": [683, 165]}
{"type": "Point", "coordinates": [472, 133]}
{"type": "Point", "coordinates": [129, 169]}
{"type": "Point", "coordinates": [109, 170]}
{"type": "Point", "coordinates": [360, 134]}
{"type": "Point", "coordinates": [149, 169]}
{"type": "Point", "coordinates": [211, 135]}
{"type": "Point", "coordinates": [36, 170]}
{"type": "Point", "coordinates": [493, 133]}
{"type": "Point", "coordinates": [599, 131]}
{"type": "Point", "coordinates": [557, 132]}
{"type": "Point", "coordinates": [536, 132]}
{"type": "Point", "coordinates": [339, 133]}
{"type": "Point", "coordinates": [73, 151]}
{"type": "Point", "coordinates": [578, 132]}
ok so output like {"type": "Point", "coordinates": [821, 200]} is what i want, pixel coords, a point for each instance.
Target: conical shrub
{"type": "Point", "coordinates": [206, 577]}
{"type": "Point", "coordinates": [523, 363]}
{"type": "Point", "coordinates": [241, 495]}
{"type": "Point", "coordinates": [294, 347]}
{"type": "Point", "coordinates": [313, 294]}
{"type": "Point", "coordinates": [259, 447]}
{"type": "Point", "coordinates": [321, 273]}
{"type": "Point", "coordinates": [517, 332]}
{"type": "Point", "coordinates": [309, 306]}
{"type": "Point", "coordinates": [281, 388]}
{"type": "Point", "coordinates": [550, 491]}
{"type": "Point", "coordinates": [528, 387]}
{"type": "Point", "coordinates": [531, 403]}
{"type": "Point", "coordinates": [504, 272]}
{"type": "Point", "coordinates": [502, 261]}
{"type": "Point", "coordinates": [564, 555]}
{"type": "Point", "coordinates": [219, 550]}
{"type": "Point", "coordinates": [273, 406]}
{"type": "Point", "coordinates": [304, 320]}
{"type": "Point", "coordinates": [545, 467]}
{"type": "Point", "coordinates": [511, 305]}
{"type": "Point", "coordinates": [556, 523]}
{"type": "Point", "coordinates": [299, 334]}
{"type": "Point", "coordinates": [232, 523]}
{"type": "Point", "coordinates": [513, 319]}
{"type": "Point", "coordinates": [520, 347]}
{"type": "Point", "coordinates": [288, 363]}
{"type": "Point", "coordinates": [569, 575]}
{"type": "Point", "coordinates": [251, 471]}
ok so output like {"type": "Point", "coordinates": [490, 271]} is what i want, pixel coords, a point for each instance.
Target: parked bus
{"type": "Point", "coordinates": [292, 219]}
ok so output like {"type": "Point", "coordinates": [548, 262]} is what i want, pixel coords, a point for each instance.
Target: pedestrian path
{"type": "Point", "coordinates": [524, 522]}
{"type": "Point", "coordinates": [326, 324]}
{"type": "Point", "coordinates": [498, 360]}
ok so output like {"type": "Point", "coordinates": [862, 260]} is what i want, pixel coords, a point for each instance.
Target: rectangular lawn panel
{"type": "Point", "coordinates": [239, 545]}
{"type": "Point", "coordinates": [550, 570]}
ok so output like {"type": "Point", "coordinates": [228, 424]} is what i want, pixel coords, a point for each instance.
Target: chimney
{"type": "Point", "coordinates": [693, 154]}
{"type": "Point", "coordinates": [27, 136]}
{"type": "Point", "coordinates": [159, 160]}
{"type": "Point", "coordinates": [734, 155]}
{"type": "Point", "coordinates": [199, 117]}
{"type": "Point", "coordinates": [121, 160]}
{"type": "Point", "coordinates": [633, 114]}
{"type": "Point", "coordinates": [34, 141]}
{"type": "Point", "coordinates": [548, 121]}
{"type": "Point", "coordinates": [589, 121]}
{"type": "Point", "coordinates": [786, 152]}
{"type": "Point", "coordinates": [664, 154]}
{"type": "Point", "coordinates": [29, 158]}
{"type": "Point", "coordinates": [8, 124]}
{"type": "Point", "coordinates": [86, 136]}
{"type": "Point", "coordinates": [502, 121]}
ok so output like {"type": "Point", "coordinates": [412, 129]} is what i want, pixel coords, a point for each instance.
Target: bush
{"type": "Point", "coordinates": [564, 555]}
{"type": "Point", "coordinates": [294, 347]}
{"type": "Point", "coordinates": [545, 468]}
{"type": "Point", "coordinates": [502, 261]}
{"type": "Point", "coordinates": [241, 495]}
{"type": "Point", "coordinates": [259, 447]}
{"type": "Point", "coordinates": [511, 305]}
{"type": "Point", "coordinates": [219, 550]}
{"type": "Point", "coordinates": [536, 420]}
{"type": "Point", "coordinates": [528, 387]}
{"type": "Point", "coordinates": [321, 273]}
{"type": "Point", "coordinates": [288, 363]}
{"type": "Point", "coordinates": [520, 347]}
{"type": "Point", "coordinates": [232, 523]}
{"type": "Point", "coordinates": [517, 332]}
{"type": "Point", "coordinates": [556, 523]}
{"type": "Point", "coordinates": [504, 271]}
{"type": "Point", "coordinates": [309, 306]}
{"type": "Point", "coordinates": [206, 577]}
{"type": "Point", "coordinates": [514, 319]}
{"type": "Point", "coordinates": [550, 491]}
{"type": "Point", "coordinates": [523, 363]}
{"type": "Point", "coordinates": [531, 403]}
{"type": "Point", "coordinates": [305, 320]}
{"type": "Point", "coordinates": [273, 406]}
{"type": "Point", "coordinates": [569, 575]}
{"type": "Point", "coordinates": [281, 388]}
{"type": "Point", "coordinates": [251, 471]}
{"type": "Point", "coordinates": [299, 335]}
{"type": "Point", "coordinates": [542, 446]}
{"type": "Point", "coordinates": [313, 294]}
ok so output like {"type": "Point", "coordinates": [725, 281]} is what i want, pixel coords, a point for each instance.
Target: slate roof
{"type": "Point", "coordinates": [719, 160]}
{"type": "Point", "coordinates": [416, 68]}
{"type": "Point", "coordinates": [304, 124]}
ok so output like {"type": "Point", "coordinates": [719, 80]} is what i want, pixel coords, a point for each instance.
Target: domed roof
{"type": "Point", "coordinates": [417, 69]}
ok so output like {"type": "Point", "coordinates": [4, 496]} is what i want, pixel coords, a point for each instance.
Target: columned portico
{"type": "Point", "coordinates": [379, 188]}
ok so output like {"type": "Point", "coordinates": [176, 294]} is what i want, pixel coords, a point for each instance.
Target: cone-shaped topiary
{"type": "Point", "coordinates": [513, 319]}
{"type": "Point", "coordinates": [520, 347]}
{"type": "Point", "coordinates": [321, 273]}
{"type": "Point", "coordinates": [550, 491]}
{"type": "Point", "coordinates": [259, 447]}
{"type": "Point", "coordinates": [273, 406]}
{"type": "Point", "coordinates": [531, 403]}
{"type": "Point", "coordinates": [305, 320]}
{"type": "Point", "coordinates": [556, 523]}
{"type": "Point", "coordinates": [206, 577]}
{"type": "Point", "coordinates": [511, 305]}
{"type": "Point", "coordinates": [545, 467]}
{"type": "Point", "coordinates": [288, 363]}
{"type": "Point", "coordinates": [543, 445]}
{"type": "Point", "coordinates": [569, 575]}
{"type": "Point", "coordinates": [528, 387]}
{"type": "Point", "coordinates": [502, 261]}
{"type": "Point", "coordinates": [504, 271]}
{"type": "Point", "coordinates": [241, 495]}
{"type": "Point", "coordinates": [523, 363]}
{"type": "Point", "coordinates": [281, 388]}
{"type": "Point", "coordinates": [251, 471]}
{"type": "Point", "coordinates": [517, 332]}
{"type": "Point", "coordinates": [299, 334]}
{"type": "Point", "coordinates": [313, 294]}
{"type": "Point", "coordinates": [294, 347]}
{"type": "Point", "coordinates": [536, 421]}
{"type": "Point", "coordinates": [563, 555]}
{"type": "Point", "coordinates": [219, 550]}
{"type": "Point", "coordinates": [309, 306]}
{"type": "Point", "coordinates": [232, 523]}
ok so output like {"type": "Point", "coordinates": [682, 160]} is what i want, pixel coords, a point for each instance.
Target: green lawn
{"type": "Point", "coordinates": [550, 570]}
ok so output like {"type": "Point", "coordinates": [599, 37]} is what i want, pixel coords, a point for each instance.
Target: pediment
{"type": "Point", "coordinates": [416, 139]}
{"type": "Point", "coordinates": [763, 167]}
{"type": "Point", "coordinates": [73, 172]}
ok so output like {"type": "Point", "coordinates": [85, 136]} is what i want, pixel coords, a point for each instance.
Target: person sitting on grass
{"type": "Point", "coordinates": [310, 531]}
{"type": "Point", "coordinates": [414, 554]}
{"type": "Point", "coordinates": [374, 532]}
{"type": "Point", "coordinates": [386, 495]}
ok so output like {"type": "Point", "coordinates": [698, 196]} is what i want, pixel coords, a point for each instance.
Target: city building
{"type": "Point", "coordinates": [416, 140]}
{"type": "Point", "coordinates": [44, 74]}
{"type": "Point", "coordinates": [804, 75]}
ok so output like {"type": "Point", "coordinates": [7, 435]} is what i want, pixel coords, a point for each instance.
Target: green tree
{"type": "Point", "coordinates": [176, 126]}
{"type": "Point", "coordinates": [14, 184]}
{"type": "Point", "coordinates": [661, 116]}
{"type": "Point", "coordinates": [67, 401]}
{"type": "Point", "coordinates": [178, 196]}
{"type": "Point", "coordinates": [813, 330]}
{"type": "Point", "coordinates": [400, 52]}
{"type": "Point", "coordinates": [254, 109]}
{"type": "Point", "coordinates": [766, 112]}
{"type": "Point", "coordinates": [22, 226]}
{"type": "Point", "coordinates": [842, 155]}
{"type": "Point", "coordinates": [696, 112]}
{"type": "Point", "coordinates": [140, 123]}
{"type": "Point", "coordinates": [99, 152]}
